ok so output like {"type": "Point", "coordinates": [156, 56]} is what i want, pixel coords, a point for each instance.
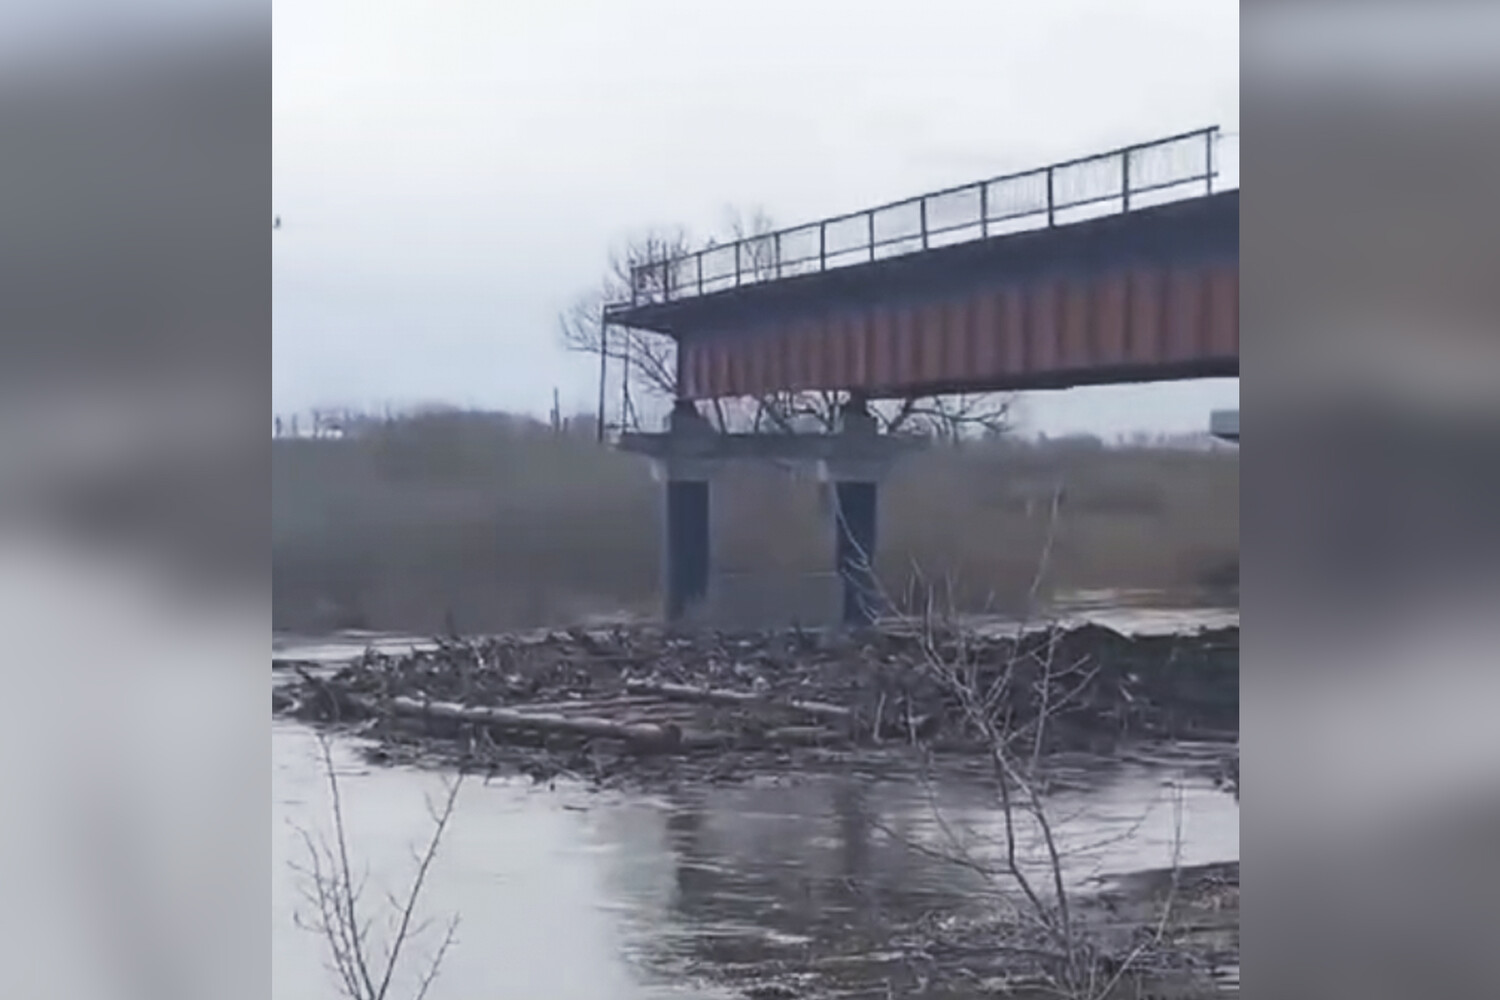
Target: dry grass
{"type": "Point", "coordinates": [488, 523]}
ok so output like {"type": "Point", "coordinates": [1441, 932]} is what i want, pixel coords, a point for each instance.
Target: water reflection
{"type": "Point", "coordinates": [605, 895]}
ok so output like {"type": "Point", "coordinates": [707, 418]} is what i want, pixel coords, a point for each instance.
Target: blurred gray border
{"type": "Point", "coordinates": [1371, 378]}
{"type": "Point", "coordinates": [135, 306]}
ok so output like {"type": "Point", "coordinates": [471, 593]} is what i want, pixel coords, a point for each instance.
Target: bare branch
{"type": "Point", "coordinates": [1010, 705]}
{"type": "Point", "coordinates": [952, 418]}
{"type": "Point", "coordinates": [351, 926]}
{"type": "Point", "coordinates": [437, 959]}
{"type": "Point", "coordinates": [331, 893]}
{"type": "Point", "coordinates": [440, 824]}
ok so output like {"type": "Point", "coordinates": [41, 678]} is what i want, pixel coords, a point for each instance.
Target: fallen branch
{"type": "Point", "coordinates": [744, 699]}
{"type": "Point", "coordinates": [641, 735]}
{"type": "Point", "coordinates": [324, 690]}
{"type": "Point", "coordinates": [666, 737]}
{"type": "Point", "coordinates": [587, 704]}
{"type": "Point", "coordinates": [802, 736]}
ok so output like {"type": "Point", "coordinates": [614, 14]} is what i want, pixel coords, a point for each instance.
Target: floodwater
{"type": "Point", "coordinates": [1136, 612]}
{"type": "Point", "coordinates": [570, 893]}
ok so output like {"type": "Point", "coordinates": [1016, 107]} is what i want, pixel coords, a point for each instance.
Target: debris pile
{"type": "Point", "coordinates": [643, 692]}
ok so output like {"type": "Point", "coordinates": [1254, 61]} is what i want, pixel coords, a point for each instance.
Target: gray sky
{"type": "Point", "coordinates": [452, 173]}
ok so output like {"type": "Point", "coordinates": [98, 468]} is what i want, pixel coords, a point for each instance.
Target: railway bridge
{"type": "Point", "coordinates": [1120, 267]}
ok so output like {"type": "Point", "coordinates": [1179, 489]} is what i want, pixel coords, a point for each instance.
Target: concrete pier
{"type": "Point", "coordinates": [854, 551]}
{"type": "Point", "coordinates": [690, 452]}
{"type": "Point", "coordinates": [1225, 425]}
{"type": "Point", "coordinates": [856, 491]}
{"type": "Point", "coordinates": [686, 546]}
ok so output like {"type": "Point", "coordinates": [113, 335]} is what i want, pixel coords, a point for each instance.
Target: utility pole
{"type": "Point", "coordinates": [603, 358]}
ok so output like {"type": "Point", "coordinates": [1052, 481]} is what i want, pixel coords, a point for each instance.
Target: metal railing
{"type": "Point", "coordinates": [1171, 169]}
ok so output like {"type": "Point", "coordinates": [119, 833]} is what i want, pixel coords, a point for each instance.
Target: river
{"type": "Point", "coordinates": [567, 892]}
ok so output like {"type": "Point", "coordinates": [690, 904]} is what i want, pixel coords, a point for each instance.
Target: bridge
{"type": "Point", "coordinates": [1117, 267]}
{"type": "Point", "coordinates": [1120, 267]}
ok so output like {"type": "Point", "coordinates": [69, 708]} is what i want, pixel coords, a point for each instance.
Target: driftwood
{"type": "Point", "coordinates": [643, 735]}
{"type": "Point", "coordinates": [326, 691]}
{"type": "Point", "coordinates": [803, 736]}
{"type": "Point", "coordinates": [607, 704]}
{"type": "Point", "coordinates": [594, 688]}
{"type": "Point", "coordinates": [746, 699]}
{"type": "Point", "coordinates": [664, 737]}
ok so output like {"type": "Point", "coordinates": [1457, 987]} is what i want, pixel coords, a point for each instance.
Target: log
{"type": "Point", "coordinates": [329, 693]}
{"type": "Point", "coordinates": [641, 734]}
{"type": "Point", "coordinates": [584, 704]}
{"type": "Point", "coordinates": [804, 736]}
{"type": "Point", "coordinates": [745, 699]}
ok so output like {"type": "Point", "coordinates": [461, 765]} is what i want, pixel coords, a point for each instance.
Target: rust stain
{"type": "Point", "coordinates": [1136, 319]}
{"type": "Point", "coordinates": [1076, 343]}
{"type": "Point", "coordinates": [1111, 301]}
{"type": "Point", "coordinates": [1224, 311]}
{"type": "Point", "coordinates": [1184, 327]}
{"type": "Point", "coordinates": [1046, 326]}
{"type": "Point", "coordinates": [985, 334]}
{"type": "Point", "coordinates": [1145, 316]}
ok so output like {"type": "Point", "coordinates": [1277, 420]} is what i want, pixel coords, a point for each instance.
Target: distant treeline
{"type": "Point", "coordinates": [481, 521]}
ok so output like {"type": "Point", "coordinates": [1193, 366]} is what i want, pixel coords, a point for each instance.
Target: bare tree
{"type": "Point", "coordinates": [648, 360]}
{"type": "Point", "coordinates": [1009, 708]}
{"type": "Point", "coordinates": [948, 419]}
{"type": "Point", "coordinates": [335, 910]}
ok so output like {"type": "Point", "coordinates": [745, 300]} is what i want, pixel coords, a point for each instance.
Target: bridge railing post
{"type": "Point", "coordinates": [699, 256]}
{"type": "Point", "coordinates": [870, 219]}
{"type": "Point", "coordinates": [922, 209]}
{"type": "Point", "coordinates": [822, 246]}
{"type": "Point", "coordinates": [1210, 138]}
{"type": "Point", "coordinates": [737, 245]}
{"type": "Point", "coordinates": [1051, 199]}
{"type": "Point", "coordinates": [1125, 179]}
{"type": "Point", "coordinates": [984, 210]}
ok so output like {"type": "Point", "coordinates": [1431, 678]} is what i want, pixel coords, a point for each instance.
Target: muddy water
{"type": "Point", "coordinates": [569, 893]}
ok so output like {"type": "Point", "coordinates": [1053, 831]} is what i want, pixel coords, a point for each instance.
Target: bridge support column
{"type": "Point", "coordinates": [686, 551]}
{"type": "Point", "coordinates": [1225, 425]}
{"type": "Point", "coordinates": [854, 550]}
{"type": "Point", "coordinates": [856, 471]}
{"type": "Point", "coordinates": [686, 546]}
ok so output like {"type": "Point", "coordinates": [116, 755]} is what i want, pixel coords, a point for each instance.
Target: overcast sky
{"type": "Point", "coordinates": [452, 173]}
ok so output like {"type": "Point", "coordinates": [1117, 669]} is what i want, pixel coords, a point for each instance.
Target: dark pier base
{"type": "Point", "coordinates": [687, 546]}
{"type": "Point", "coordinates": [690, 452]}
{"type": "Point", "coordinates": [854, 551]}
